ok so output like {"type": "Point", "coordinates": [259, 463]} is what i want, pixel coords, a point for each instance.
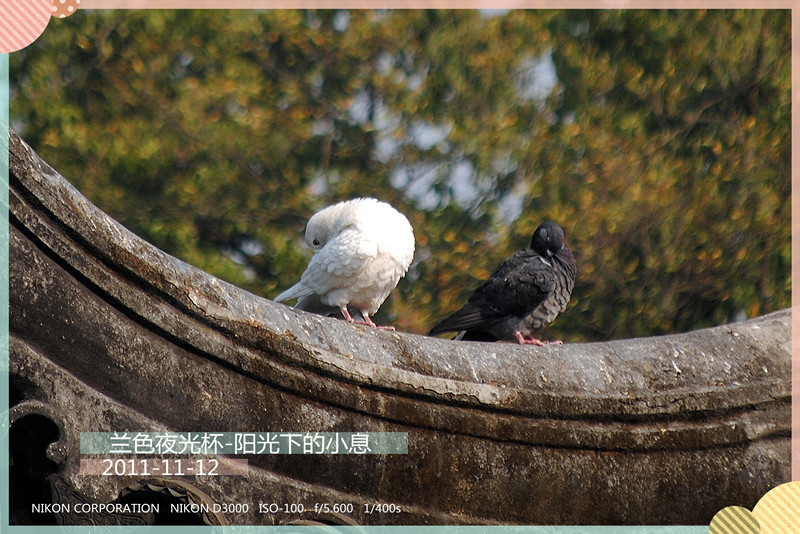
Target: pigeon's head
{"type": "Point", "coordinates": [321, 228]}
{"type": "Point", "coordinates": [329, 222]}
{"type": "Point", "coordinates": [548, 239]}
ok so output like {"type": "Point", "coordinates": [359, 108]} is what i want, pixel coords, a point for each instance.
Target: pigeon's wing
{"type": "Point", "coordinates": [515, 288]}
{"type": "Point", "coordinates": [341, 259]}
{"type": "Point", "coordinates": [519, 285]}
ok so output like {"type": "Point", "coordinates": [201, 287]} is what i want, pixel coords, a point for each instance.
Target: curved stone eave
{"type": "Point", "coordinates": [712, 387]}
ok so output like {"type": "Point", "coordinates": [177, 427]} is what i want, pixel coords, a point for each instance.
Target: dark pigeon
{"type": "Point", "coordinates": [522, 296]}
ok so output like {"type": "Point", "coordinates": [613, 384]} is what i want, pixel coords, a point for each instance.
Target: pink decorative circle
{"type": "Point", "coordinates": [65, 8]}
{"type": "Point", "coordinates": [22, 22]}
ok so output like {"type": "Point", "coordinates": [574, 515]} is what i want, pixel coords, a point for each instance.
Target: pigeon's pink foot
{"type": "Point", "coordinates": [522, 340]}
{"type": "Point", "coordinates": [366, 321]}
{"type": "Point", "coordinates": [369, 322]}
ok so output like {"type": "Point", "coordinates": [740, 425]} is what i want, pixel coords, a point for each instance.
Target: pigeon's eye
{"type": "Point", "coordinates": [316, 242]}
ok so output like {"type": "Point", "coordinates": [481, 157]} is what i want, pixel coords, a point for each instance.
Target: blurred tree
{"type": "Point", "coordinates": [659, 140]}
{"type": "Point", "coordinates": [674, 154]}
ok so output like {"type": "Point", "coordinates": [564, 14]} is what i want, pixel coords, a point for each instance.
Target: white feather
{"type": "Point", "coordinates": [364, 246]}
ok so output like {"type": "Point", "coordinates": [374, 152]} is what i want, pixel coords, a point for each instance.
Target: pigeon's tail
{"type": "Point", "coordinates": [439, 329]}
{"type": "Point", "coordinates": [444, 326]}
{"type": "Point", "coordinates": [297, 291]}
{"type": "Point", "coordinates": [312, 303]}
{"type": "Point", "coordinates": [467, 318]}
{"type": "Point", "coordinates": [474, 335]}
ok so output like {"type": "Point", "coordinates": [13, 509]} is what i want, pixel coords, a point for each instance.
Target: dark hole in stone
{"type": "Point", "coordinates": [20, 389]}
{"type": "Point", "coordinates": [29, 489]}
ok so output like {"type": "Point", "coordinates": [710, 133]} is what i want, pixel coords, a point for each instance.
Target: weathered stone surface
{"type": "Point", "coordinates": [109, 333]}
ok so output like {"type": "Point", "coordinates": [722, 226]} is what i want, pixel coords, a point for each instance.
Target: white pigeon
{"type": "Point", "coordinates": [363, 247]}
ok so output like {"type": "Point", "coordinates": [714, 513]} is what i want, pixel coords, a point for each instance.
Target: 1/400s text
{"type": "Point", "coordinates": [381, 508]}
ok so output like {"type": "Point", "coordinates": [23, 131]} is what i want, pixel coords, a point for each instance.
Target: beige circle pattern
{"type": "Point", "coordinates": [64, 8]}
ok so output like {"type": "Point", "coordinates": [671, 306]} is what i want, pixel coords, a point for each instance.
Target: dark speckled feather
{"type": "Point", "coordinates": [523, 295]}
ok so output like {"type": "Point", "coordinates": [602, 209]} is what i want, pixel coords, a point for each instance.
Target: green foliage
{"type": "Point", "coordinates": [661, 145]}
